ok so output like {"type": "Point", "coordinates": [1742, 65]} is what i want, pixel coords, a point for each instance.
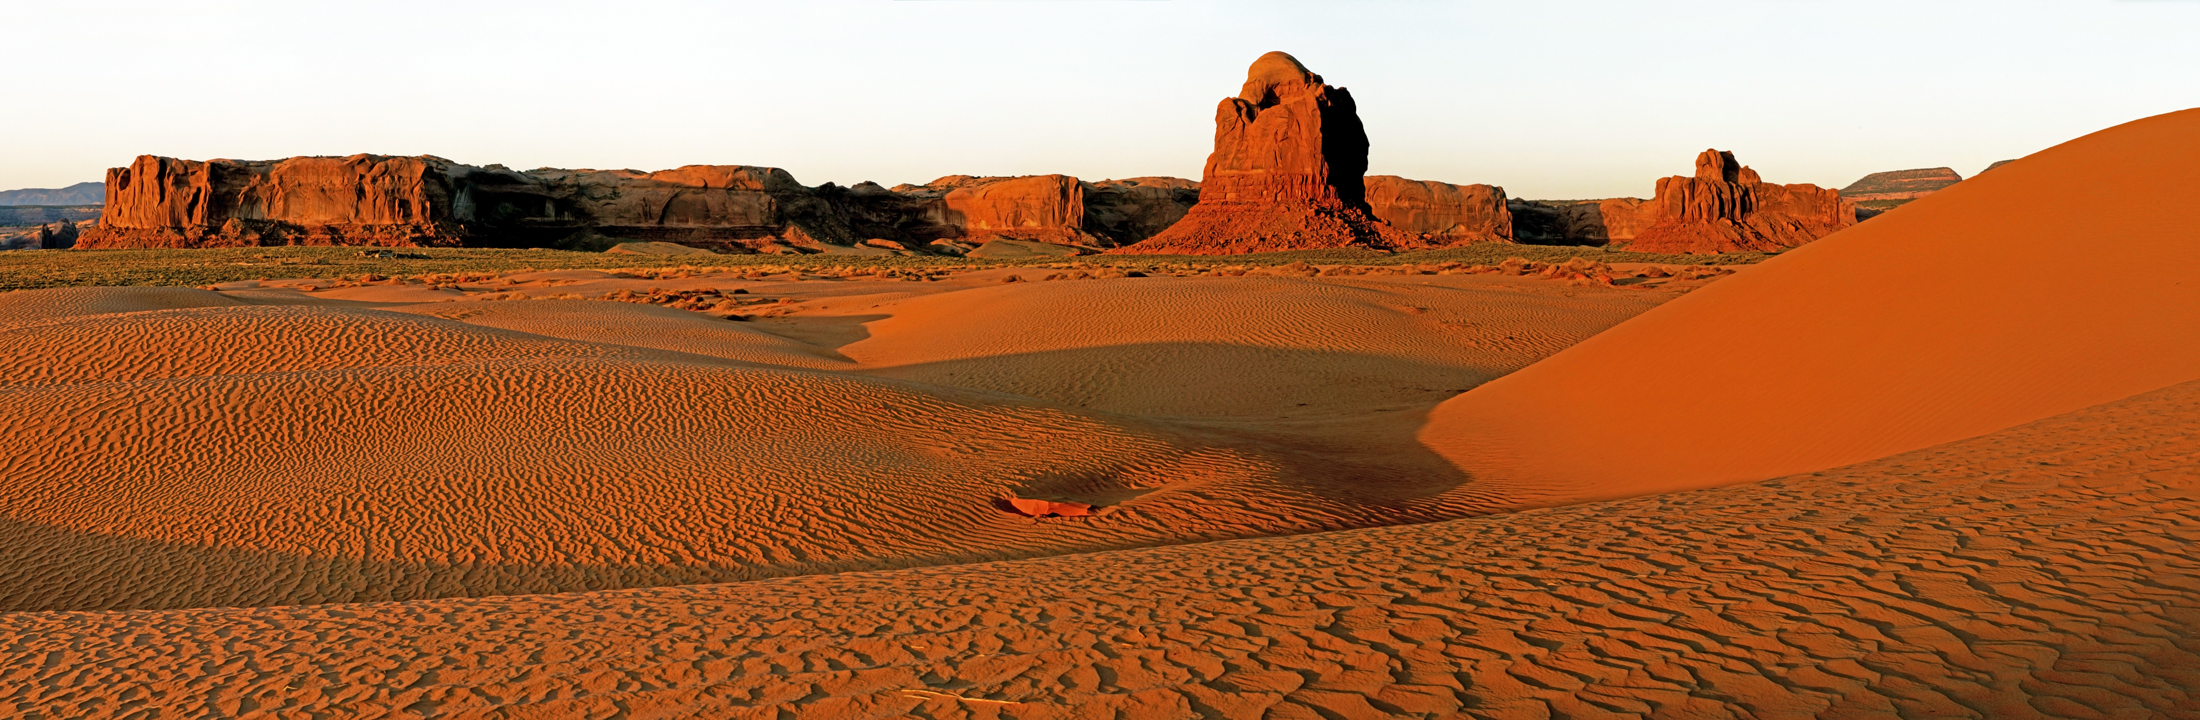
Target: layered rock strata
{"type": "Point", "coordinates": [1122, 212]}
{"type": "Point", "coordinates": [1725, 207]}
{"type": "Point", "coordinates": [1285, 174]}
{"type": "Point", "coordinates": [430, 201]}
{"type": "Point", "coordinates": [1435, 214]}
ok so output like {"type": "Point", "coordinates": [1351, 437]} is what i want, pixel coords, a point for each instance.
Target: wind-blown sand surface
{"type": "Point", "coordinates": [1974, 423]}
{"type": "Point", "coordinates": [2043, 571]}
{"type": "Point", "coordinates": [270, 446]}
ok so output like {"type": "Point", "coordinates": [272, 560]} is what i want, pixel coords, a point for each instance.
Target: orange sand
{"type": "Point", "coordinates": [2043, 571]}
{"type": "Point", "coordinates": [2069, 280]}
{"type": "Point", "coordinates": [312, 442]}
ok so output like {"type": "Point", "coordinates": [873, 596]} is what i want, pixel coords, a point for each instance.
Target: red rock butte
{"type": "Point", "coordinates": [1286, 172]}
{"type": "Point", "coordinates": [1725, 207]}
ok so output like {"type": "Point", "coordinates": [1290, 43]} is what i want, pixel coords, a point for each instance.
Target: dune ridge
{"type": "Point", "coordinates": [1981, 307]}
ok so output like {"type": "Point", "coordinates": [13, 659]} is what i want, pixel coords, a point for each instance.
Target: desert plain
{"type": "Point", "coordinates": [1940, 462]}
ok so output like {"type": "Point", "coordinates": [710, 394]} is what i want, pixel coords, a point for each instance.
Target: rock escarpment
{"type": "Point", "coordinates": [1285, 174]}
{"type": "Point", "coordinates": [1435, 214]}
{"type": "Point", "coordinates": [1045, 208]}
{"type": "Point", "coordinates": [965, 211]}
{"type": "Point", "coordinates": [430, 201]}
{"type": "Point", "coordinates": [1122, 212]}
{"type": "Point", "coordinates": [359, 200]}
{"type": "Point", "coordinates": [1725, 207]}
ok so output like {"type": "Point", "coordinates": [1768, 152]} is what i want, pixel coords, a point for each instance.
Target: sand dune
{"type": "Point", "coordinates": [1234, 347]}
{"type": "Point", "coordinates": [285, 443]}
{"type": "Point", "coordinates": [2042, 571]}
{"type": "Point", "coordinates": [2058, 282]}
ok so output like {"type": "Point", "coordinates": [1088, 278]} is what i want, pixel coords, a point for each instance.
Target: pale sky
{"type": "Point", "coordinates": [1550, 99]}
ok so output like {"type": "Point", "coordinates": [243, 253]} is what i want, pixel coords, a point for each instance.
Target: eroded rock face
{"type": "Point", "coordinates": [1725, 207]}
{"type": "Point", "coordinates": [1285, 174]}
{"type": "Point", "coordinates": [970, 210]}
{"type": "Point", "coordinates": [1057, 209]}
{"type": "Point", "coordinates": [1122, 212]}
{"type": "Point", "coordinates": [1435, 214]}
{"type": "Point", "coordinates": [731, 208]}
{"type": "Point", "coordinates": [1045, 208]}
{"type": "Point", "coordinates": [357, 200]}
{"type": "Point", "coordinates": [430, 201]}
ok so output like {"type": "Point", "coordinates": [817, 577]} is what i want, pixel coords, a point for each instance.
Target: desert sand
{"type": "Point", "coordinates": [1941, 464]}
{"type": "Point", "coordinates": [2042, 571]}
{"type": "Point", "coordinates": [317, 441]}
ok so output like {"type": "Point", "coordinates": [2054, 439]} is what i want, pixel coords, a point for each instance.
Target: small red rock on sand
{"type": "Point", "coordinates": [1044, 508]}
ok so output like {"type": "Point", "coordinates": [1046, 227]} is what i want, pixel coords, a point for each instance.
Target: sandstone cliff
{"type": "Point", "coordinates": [1045, 208]}
{"type": "Point", "coordinates": [430, 201]}
{"type": "Point", "coordinates": [359, 200]}
{"type": "Point", "coordinates": [1122, 212]}
{"type": "Point", "coordinates": [1285, 173]}
{"type": "Point", "coordinates": [1434, 214]}
{"type": "Point", "coordinates": [1054, 209]}
{"type": "Point", "coordinates": [1725, 207]}
{"type": "Point", "coordinates": [730, 208]}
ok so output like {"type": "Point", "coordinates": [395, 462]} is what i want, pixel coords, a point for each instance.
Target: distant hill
{"type": "Point", "coordinates": [86, 193]}
{"type": "Point", "coordinates": [1997, 164]}
{"type": "Point", "coordinates": [1901, 184]}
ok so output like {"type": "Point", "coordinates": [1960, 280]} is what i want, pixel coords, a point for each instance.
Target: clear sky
{"type": "Point", "coordinates": [1551, 99]}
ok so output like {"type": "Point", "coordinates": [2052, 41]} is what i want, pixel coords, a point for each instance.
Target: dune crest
{"type": "Point", "coordinates": [1984, 306]}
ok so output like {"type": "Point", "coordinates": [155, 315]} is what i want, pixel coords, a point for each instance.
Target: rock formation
{"type": "Point", "coordinates": [1285, 173]}
{"type": "Point", "coordinates": [1725, 207]}
{"type": "Point", "coordinates": [430, 201]}
{"type": "Point", "coordinates": [1998, 163]}
{"type": "Point", "coordinates": [86, 193]}
{"type": "Point", "coordinates": [1434, 214]}
{"type": "Point", "coordinates": [362, 199]}
{"type": "Point", "coordinates": [58, 236]}
{"type": "Point", "coordinates": [961, 211]}
{"type": "Point", "coordinates": [731, 208]}
{"type": "Point", "coordinates": [1045, 208]}
{"type": "Point", "coordinates": [1122, 212]}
